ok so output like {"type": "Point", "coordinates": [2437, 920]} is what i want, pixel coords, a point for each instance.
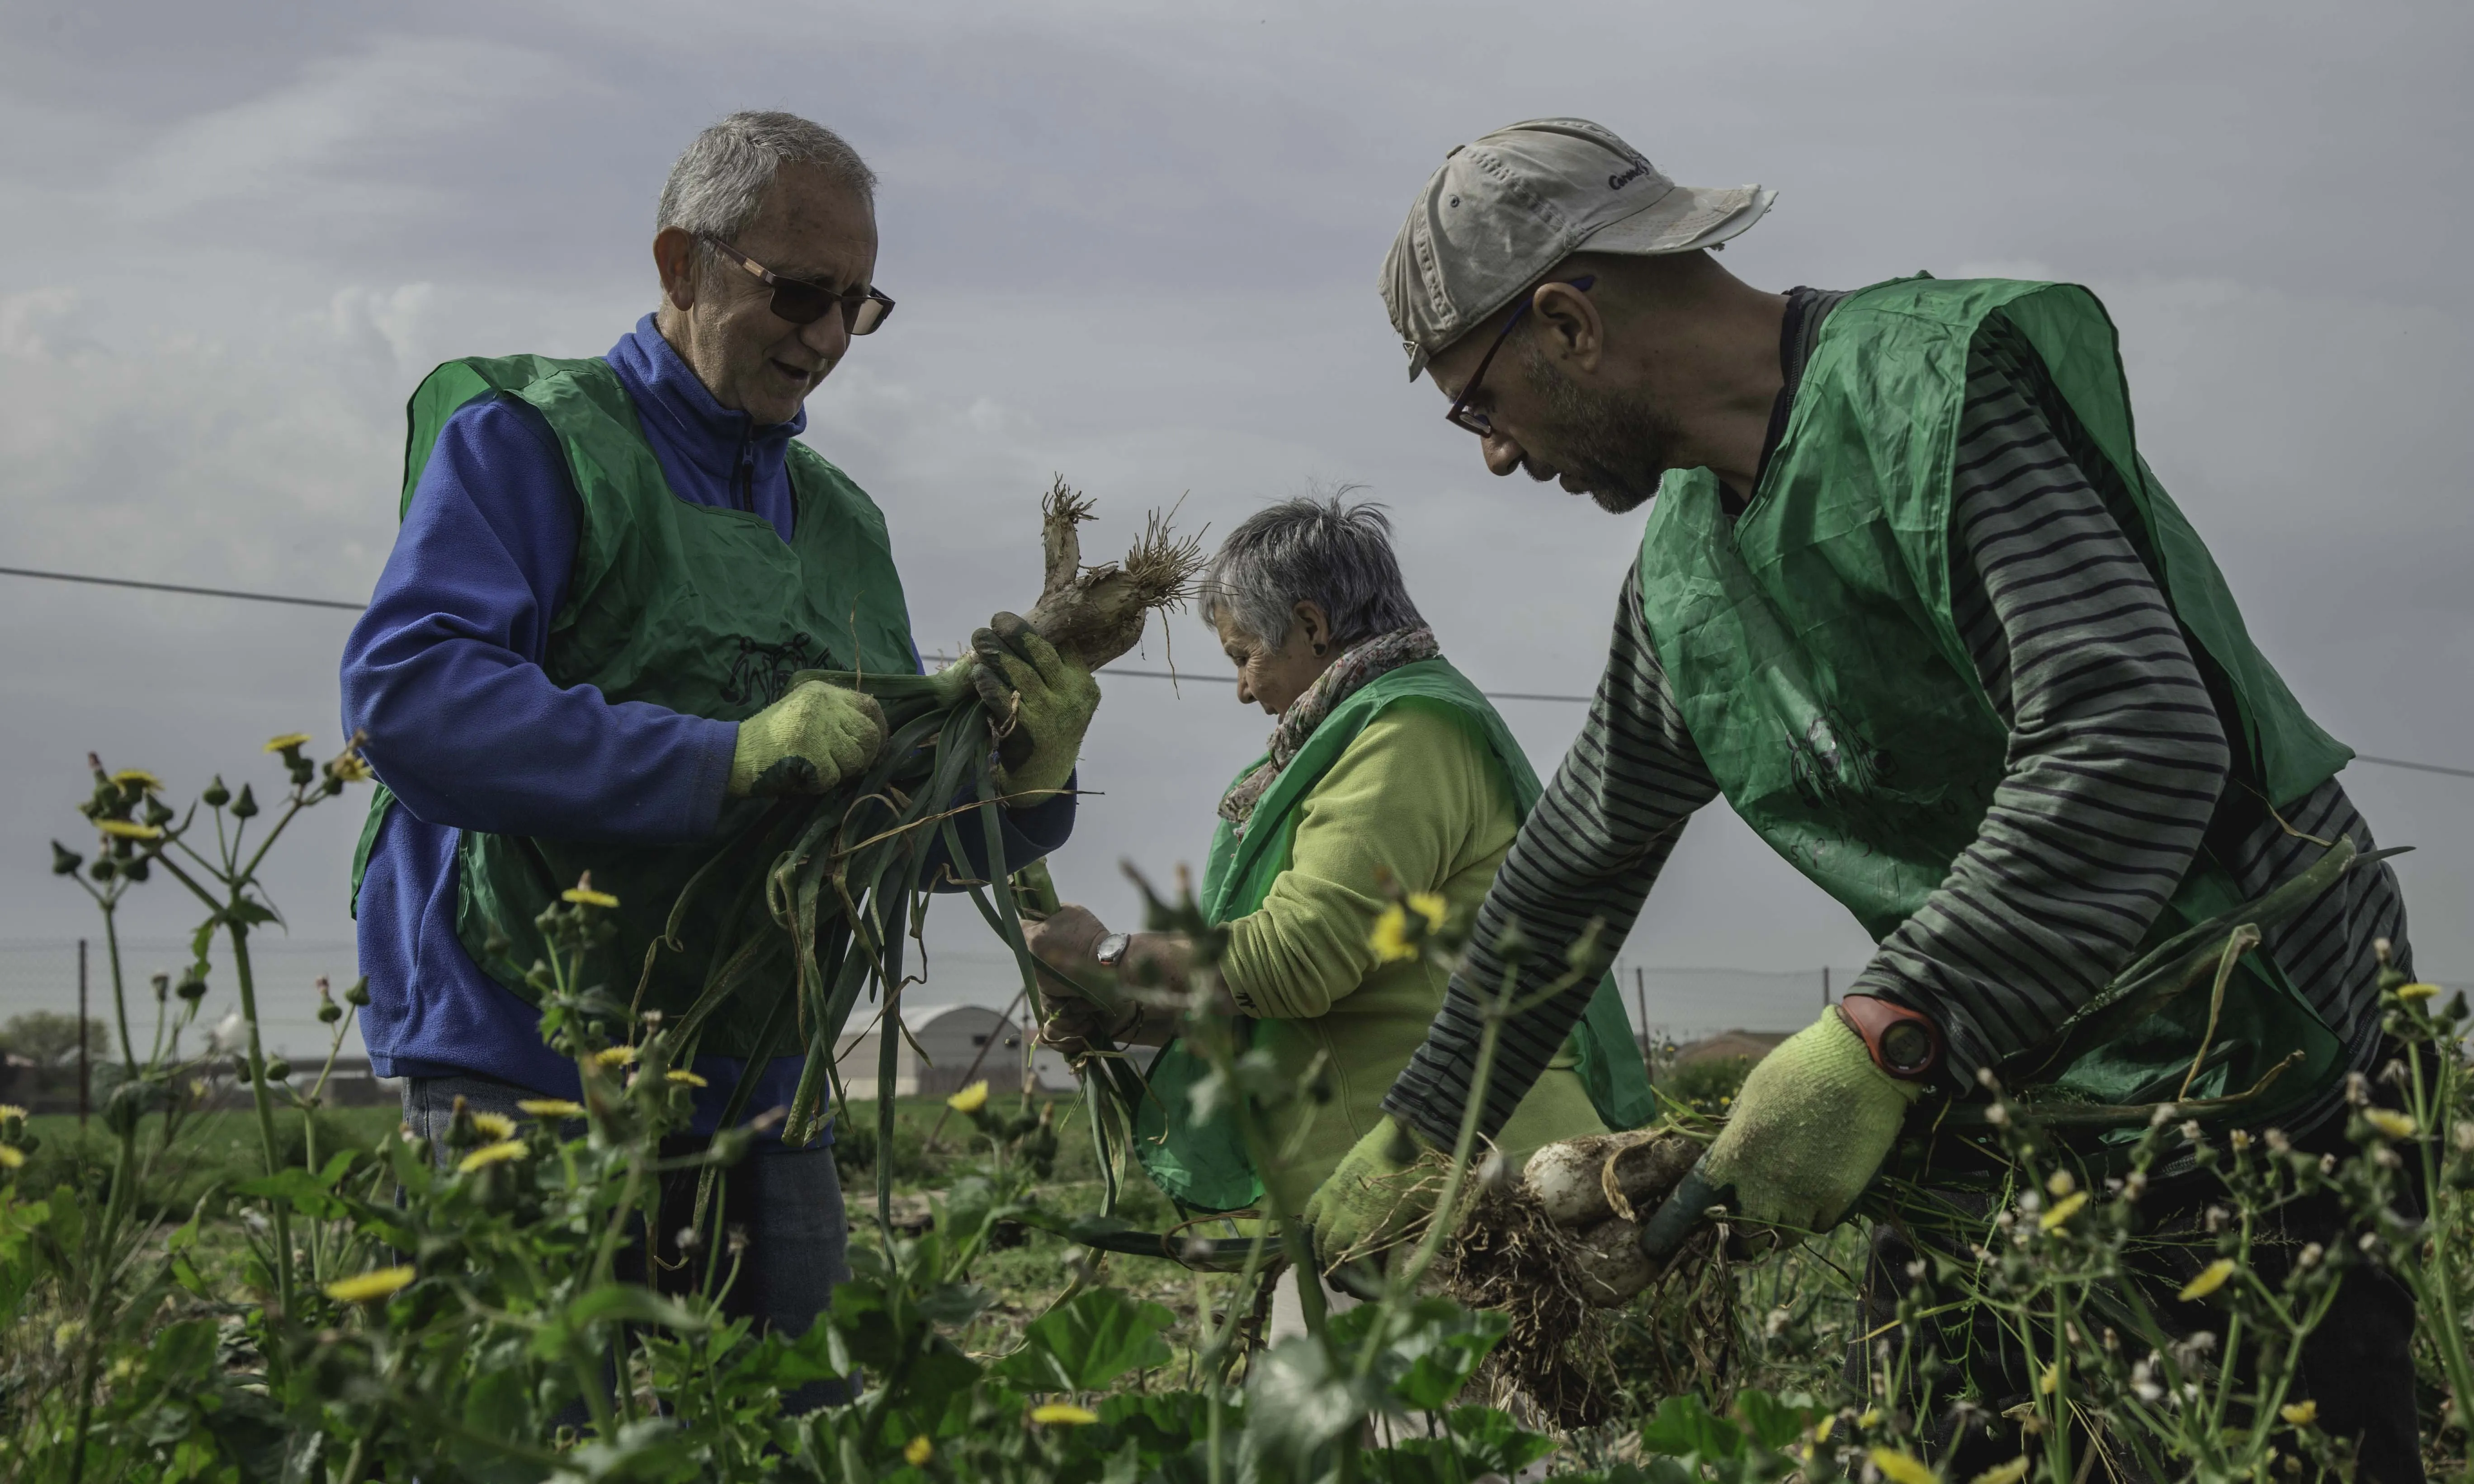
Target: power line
{"type": "Point", "coordinates": [198, 592]}
{"type": "Point", "coordinates": [1140, 675]}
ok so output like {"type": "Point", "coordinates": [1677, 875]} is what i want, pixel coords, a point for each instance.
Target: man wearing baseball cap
{"type": "Point", "coordinates": [1909, 600]}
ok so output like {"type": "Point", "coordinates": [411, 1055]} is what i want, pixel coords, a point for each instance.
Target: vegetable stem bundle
{"type": "Point", "coordinates": [846, 881]}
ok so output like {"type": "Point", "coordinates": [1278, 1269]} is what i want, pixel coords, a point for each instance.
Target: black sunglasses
{"type": "Point", "coordinates": [1460, 415]}
{"type": "Point", "coordinates": [799, 303]}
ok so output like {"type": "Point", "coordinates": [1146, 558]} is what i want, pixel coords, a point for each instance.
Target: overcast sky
{"type": "Point", "coordinates": [1137, 245]}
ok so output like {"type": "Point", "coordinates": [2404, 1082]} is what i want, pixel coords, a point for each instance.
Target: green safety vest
{"type": "Point", "coordinates": [1203, 1166]}
{"type": "Point", "coordinates": [1812, 653]}
{"type": "Point", "coordinates": [697, 609]}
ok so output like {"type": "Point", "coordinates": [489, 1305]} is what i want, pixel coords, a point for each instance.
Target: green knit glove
{"type": "Point", "coordinates": [1811, 1125]}
{"type": "Point", "coordinates": [1376, 1195]}
{"type": "Point", "coordinates": [1047, 696]}
{"type": "Point", "coordinates": [806, 742]}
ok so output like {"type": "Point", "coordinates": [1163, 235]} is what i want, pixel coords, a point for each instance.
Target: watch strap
{"type": "Point", "coordinates": [1903, 1043]}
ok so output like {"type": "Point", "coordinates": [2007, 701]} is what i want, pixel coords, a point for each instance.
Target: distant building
{"type": "Point", "coordinates": [948, 1049]}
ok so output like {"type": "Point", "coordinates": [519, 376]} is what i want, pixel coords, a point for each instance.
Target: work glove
{"type": "Point", "coordinates": [1042, 700]}
{"type": "Point", "coordinates": [1383, 1191]}
{"type": "Point", "coordinates": [1808, 1128]}
{"type": "Point", "coordinates": [806, 742]}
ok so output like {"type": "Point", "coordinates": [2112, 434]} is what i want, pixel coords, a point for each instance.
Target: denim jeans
{"type": "Point", "coordinates": [789, 1200]}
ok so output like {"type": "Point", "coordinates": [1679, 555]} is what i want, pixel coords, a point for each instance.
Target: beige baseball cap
{"type": "Point", "coordinates": [1507, 208]}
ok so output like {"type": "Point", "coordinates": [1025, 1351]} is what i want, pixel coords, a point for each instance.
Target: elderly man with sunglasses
{"type": "Point", "coordinates": [580, 659]}
{"type": "Point", "coordinates": [1910, 601]}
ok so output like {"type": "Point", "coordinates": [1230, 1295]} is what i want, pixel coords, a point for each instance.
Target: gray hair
{"type": "Point", "coordinates": [1336, 556]}
{"type": "Point", "coordinates": [719, 184]}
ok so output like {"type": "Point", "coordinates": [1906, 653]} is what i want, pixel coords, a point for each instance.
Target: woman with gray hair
{"type": "Point", "coordinates": [1387, 765]}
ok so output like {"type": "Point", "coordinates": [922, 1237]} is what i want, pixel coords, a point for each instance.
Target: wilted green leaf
{"type": "Point", "coordinates": [953, 1304]}
{"type": "Point", "coordinates": [1087, 1342]}
{"type": "Point", "coordinates": [1684, 1427]}
{"type": "Point", "coordinates": [1435, 1347]}
{"type": "Point", "coordinates": [297, 1188]}
{"type": "Point", "coordinates": [1775, 1421]}
{"type": "Point", "coordinates": [1294, 1404]}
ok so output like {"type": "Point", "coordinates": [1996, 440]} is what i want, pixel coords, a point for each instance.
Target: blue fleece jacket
{"type": "Point", "coordinates": [443, 676]}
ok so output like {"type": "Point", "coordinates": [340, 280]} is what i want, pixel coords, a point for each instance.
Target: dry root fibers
{"type": "Point", "coordinates": [1558, 1259]}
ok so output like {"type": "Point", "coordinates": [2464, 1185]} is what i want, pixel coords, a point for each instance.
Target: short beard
{"type": "Point", "coordinates": [1619, 446]}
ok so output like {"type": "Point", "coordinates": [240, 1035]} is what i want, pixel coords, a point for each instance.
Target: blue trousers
{"type": "Point", "coordinates": [789, 1200]}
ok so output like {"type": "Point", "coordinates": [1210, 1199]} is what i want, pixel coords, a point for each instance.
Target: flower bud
{"type": "Point", "coordinates": [103, 869]}
{"type": "Point", "coordinates": [192, 985]}
{"type": "Point", "coordinates": [163, 988]}
{"type": "Point", "coordinates": [359, 992]}
{"type": "Point", "coordinates": [279, 1070]}
{"type": "Point", "coordinates": [246, 806]}
{"type": "Point", "coordinates": [216, 795]}
{"type": "Point", "coordinates": [329, 1012]}
{"type": "Point", "coordinates": [65, 861]}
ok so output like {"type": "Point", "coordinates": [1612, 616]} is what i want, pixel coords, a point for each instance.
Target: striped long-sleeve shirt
{"type": "Point", "coordinates": [2116, 764]}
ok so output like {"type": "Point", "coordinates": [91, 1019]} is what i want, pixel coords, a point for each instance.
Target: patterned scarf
{"type": "Point", "coordinates": [1357, 665]}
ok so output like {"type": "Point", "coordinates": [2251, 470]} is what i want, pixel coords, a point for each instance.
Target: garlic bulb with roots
{"type": "Point", "coordinates": [1582, 1182]}
{"type": "Point", "coordinates": [1097, 614]}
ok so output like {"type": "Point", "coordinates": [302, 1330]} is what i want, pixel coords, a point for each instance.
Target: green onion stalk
{"type": "Point", "coordinates": [847, 882]}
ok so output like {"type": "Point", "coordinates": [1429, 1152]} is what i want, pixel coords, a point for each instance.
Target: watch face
{"type": "Point", "coordinates": [1905, 1048]}
{"type": "Point", "coordinates": [1111, 948]}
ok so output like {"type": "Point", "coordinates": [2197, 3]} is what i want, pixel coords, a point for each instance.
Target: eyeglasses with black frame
{"type": "Point", "coordinates": [800, 303]}
{"type": "Point", "coordinates": [1462, 415]}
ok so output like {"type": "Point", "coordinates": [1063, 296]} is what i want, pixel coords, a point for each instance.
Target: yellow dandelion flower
{"type": "Point", "coordinates": [1821, 1432]}
{"type": "Point", "coordinates": [685, 1079]}
{"type": "Point", "coordinates": [549, 1108]}
{"type": "Point", "coordinates": [1901, 1467]}
{"type": "Point", "coordinates": [2060, 1184]}
{"type": "Point", "coordinates": [1389, 939]}
{"type": "Point", "coordinates": [376, 1284]}
{"type": "Point", "coordinates": [288, 742]}
{"type": "Point", "coordinates": [2211, 1278]}
{"type": "Point", "coordinates": [129, 830]}
{"type": "Point", "coordinates": [1870, 1416]}
{"type": "Point", "coordinates": [2050, 1382]}
{"type": "Point", "coordinates": [615, 1056]}
{"type": "Point", "coordinates": [487, 1155]}
{"type": "Point", "coordinates": [12, 1158]}
{"type": "Point", "coordinates": [13, 1111]}
{"type": "Point", "coordinates": [2417, 991]}
{"type": "Point", "coordinates": [2063, 1210]}
{"type": "Point", "coordinates": [499, 1126]}
{"type": "Point", "coordinates": [2010, 1472]}
{"type": "Point", "coordinates": [2300, 1414]}
{"type": "Point", "coordinates": [351, 767]}
{"type": "Point", "coordinates": [2389, 1121]}
{"type": "Point", "coordinates": [970, 1099]}
{"type": "Point", "coordinates": [1063, 1414]}
{"type": "Point", "coordinates": [918, 1450]}
{"type": "Point", "coordinates": [155, 785]}
{"type": "Point", "coordinates": [587, 896]}
{"type": "Point", "coordinates": [1431, 906]}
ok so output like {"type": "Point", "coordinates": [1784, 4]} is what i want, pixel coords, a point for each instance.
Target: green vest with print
{"type": "Point", "coordinates": [1204, 1165]}
{"type": "Point", "coordinates": [697, 609]}
{"type": "Point", "coordinates": [1811, 648]}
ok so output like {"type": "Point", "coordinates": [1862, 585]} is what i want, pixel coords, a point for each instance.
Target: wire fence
{"type": "Point", "coordinates": [1667, 1004]}
{"type": "Point", "coordinates": [41, 974]}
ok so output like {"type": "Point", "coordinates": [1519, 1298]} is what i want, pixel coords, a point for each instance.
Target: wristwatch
{"type": "Point", "coordinates": [1112, 949]}
{"type": "Point", "coordinates": [1903, 1042]}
